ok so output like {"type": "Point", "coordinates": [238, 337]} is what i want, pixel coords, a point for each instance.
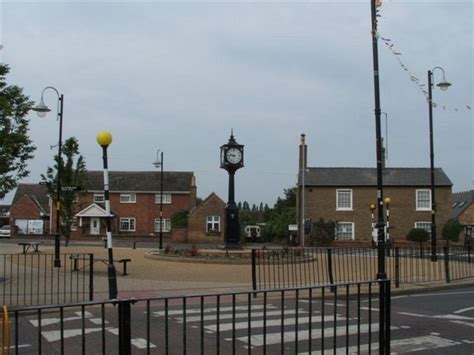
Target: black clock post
{"type": "Point", "coordinates": [232, 159]}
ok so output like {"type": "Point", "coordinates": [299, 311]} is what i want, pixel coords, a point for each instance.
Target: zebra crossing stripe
{"type": "Point", "coordinates": [275, 338]}
{"type": "Point", "coordinates": [210, 310]}
{"type": "Point", "coordinates": [269, 323]}
{"type": "Point", "coordinates": [400, 346]}
{"type": "Point", "coordinates": [237, 315]}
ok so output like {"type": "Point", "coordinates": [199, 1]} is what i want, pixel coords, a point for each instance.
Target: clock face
{"type": "Point", "coordinates": [234, 156]}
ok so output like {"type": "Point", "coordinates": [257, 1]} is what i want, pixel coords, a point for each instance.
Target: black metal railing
{"type": "Point", "coordinates": [335, 318]}
{"type": "Point", "coordinates": [32, 279]}
{"type": "Point", "coordinates": [293, 267]}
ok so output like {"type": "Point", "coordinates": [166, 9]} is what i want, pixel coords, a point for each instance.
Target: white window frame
{"type": "Point", "coordinates": [166, 225]}
{"type": "Point", "coordinates": [128, 197]}
{"type": "Point", "coordinates": [96, 200]}
{"type": "Point", "coordinates": [338, 208]}
{"type": "Point", "coordinates": [352, 230]}
{"type": "Point", "coordinates": [128, 220]}
{"type": "Point", "coordinates": [423, 208]}
{"type": "Point", "coordinates": [215, 221]}
{"type": "Point", "coordinates": [427, 223]}
{"type": "Point", "coordinates": [166, 199]}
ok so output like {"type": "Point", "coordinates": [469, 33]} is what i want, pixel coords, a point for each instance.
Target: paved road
{"type": "Point", "coordinates": [435, 323]}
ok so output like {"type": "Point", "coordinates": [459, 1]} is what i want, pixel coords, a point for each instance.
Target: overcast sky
{"type": "Point", "coordinates": [178, 76]}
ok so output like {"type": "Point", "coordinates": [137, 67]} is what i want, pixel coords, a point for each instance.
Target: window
{"type": "Point", "coordinates": [345, 231]}
{"type": "Point", "coordinates": [213, 224]}
{"type": "Point", "coordinates": [128, 198]}
{"type": "Point", "coordinates": [127, 224]}
{"type": "Point", "coordinates": [166, 198]}
{"type": "Point", "coordinates": [423, 200]}
{"type": "Point", "coordinates": [424, 225]}
{"type": "Point", "coordinates": [166, 225]}
{"type": "Point", "coordinates": [99, 198]}
{"type": "Point", "coordinates": [344, 200]}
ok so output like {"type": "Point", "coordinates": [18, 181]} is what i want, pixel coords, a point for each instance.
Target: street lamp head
{"type": "Point", "coordinates": [41, 109]}
{"type": "Point", "coordinates": [104, 138]}
{"type": "Point", "coordinates": [444, 84]}
{"type": "Point", "coordinates": [157, 162]}
{"type": "Point", "coordinates": [387, 200]}
{"type": "Point", "coordinates": [372, 207]}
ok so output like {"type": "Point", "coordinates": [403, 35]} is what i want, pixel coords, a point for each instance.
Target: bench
{"type": "Point", "coordinates": [27, 245]}
{"type": "Point", "coordinates": [104, 259]}
{"type": "Point", "coordinates": [122, 242]}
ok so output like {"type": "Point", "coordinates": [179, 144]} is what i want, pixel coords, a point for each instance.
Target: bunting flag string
{"type": "Point", "coordinates": [421, 86]}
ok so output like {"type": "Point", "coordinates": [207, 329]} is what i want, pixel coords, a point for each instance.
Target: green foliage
{"type": "Point", "coordinates": [451, 230]}
{"type": "Point", "coordinates": [73, 173]}
{"type": "Point", "coordinates": [322, 233]}
{"type": "Point", "coordinates": [282, 214]}
{"type": "Point", "coordinates": [418, 235]}
{"type": "Point", "coordinates": [180, 219]}
{"type": "Point", "coordinates": [15, 145]}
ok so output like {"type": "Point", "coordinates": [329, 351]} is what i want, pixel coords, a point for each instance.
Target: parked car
{"type": "Point", "coordinates": [5, 231]}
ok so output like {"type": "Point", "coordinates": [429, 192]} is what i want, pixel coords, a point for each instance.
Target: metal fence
{"type": "Point", "coordinates": [292, 267]}
{"type": "Point", "coordinates": [334, 318]}
{"type": "Point", "coordinates": [32, 279]}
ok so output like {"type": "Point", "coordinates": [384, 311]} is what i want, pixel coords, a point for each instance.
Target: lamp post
{"type": "Point", "coordinates": [372, 208]}
{"type": "Point", "coordinates": [384, 314]}
{"type": "Point", "coordinates": [159, 164]}
{"type": "Point", "coordinates": [443, 85]}
{"type": "Point", "coordinates": [41, 110]}
{"type": "Point", "coordinates": [387, 201]}
{"type": "Point", "coordinates": [104, 139]}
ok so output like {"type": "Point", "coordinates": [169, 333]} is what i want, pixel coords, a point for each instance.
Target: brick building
{"type": "Point", "coordinates": [463, 211]}
{"type": "Point", "coordinates": [134, 201]}
{"type": "Point", "coordinates": [30, 210]}
{"type": "Point", "coordinates": [343, 195]}
{"type": "Point", "coordinates": [206, 221]}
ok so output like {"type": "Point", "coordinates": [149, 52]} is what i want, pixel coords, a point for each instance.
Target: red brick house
{"type": "Point", "coordinates": [206, 221]}
{"type": "Point", "coordinates": [134, 201]}
{"type": "Point", "coordinates": [463, 211]}
{"type": "Point", "coordinates": [30, 210]}
{"type": "Point", "coordinates": [344, 194]}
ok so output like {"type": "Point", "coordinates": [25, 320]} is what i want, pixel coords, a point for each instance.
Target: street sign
{"type": "Point", "coordinates": [70, 188]}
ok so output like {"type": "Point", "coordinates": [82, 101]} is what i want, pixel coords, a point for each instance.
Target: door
{"type": "Point", "coordinates": [95, 226]}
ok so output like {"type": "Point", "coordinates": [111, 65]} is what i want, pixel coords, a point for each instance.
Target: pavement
{"type": "Point", "coordinates": [152, 278]}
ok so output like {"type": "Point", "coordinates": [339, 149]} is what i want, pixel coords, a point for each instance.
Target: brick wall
{"type": "Point", "coordinates": [321, 203]}
{"type": "Point", "coordinates": [197, 227]}
{"type": "Point", "coordinates": [26, 208]}
{"type": "Point", "coordinates": [467, 217]}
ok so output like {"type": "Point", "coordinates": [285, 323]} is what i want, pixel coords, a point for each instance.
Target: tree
{"type": "Point", "coordinates": [73, 173]}
{"type": "Point", "coordinates": [15, 145]}
{"type": "Point", "coordinates": [451, 231]}
{"type": "Point", "coordinates": [322, 233]}
{"type": "Point", "coordinates": [180, 219]}
{"type": "Point", "coordinates": [282, 214]}
{"type": "Point", "coordinates": [418, 235]}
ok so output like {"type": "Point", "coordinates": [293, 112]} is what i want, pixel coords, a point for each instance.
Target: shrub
{"type": "Point", "coordinates": [322, 233]}
{"type": "Point", "coordinates": [418, 235]}
{"type": "Point", "coordinates": [451, 231]}
{"type": "Point", "coordinates": [180, 219]}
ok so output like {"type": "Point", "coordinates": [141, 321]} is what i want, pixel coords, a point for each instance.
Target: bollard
{"type": "Point", "coordinates": [91, 277]}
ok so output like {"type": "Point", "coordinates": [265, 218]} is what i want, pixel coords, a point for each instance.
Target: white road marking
{"type": "Point", "coordinates": [270, 323]}
{"type": "Point", "coordinates": [97, 321]}
{"type": "Point", "coordinates": [463, 310]}
{"type": "Point", "coordinates": [55, 335]}
{"type": "Point", "coordinates": [439, 316]}
{"type": "Point", "coordinates": [275, 338]}
{"type": "Point", "coordinates": [49, 321]}
{"type": "Point", "coordinates": [431, 294]}
{"type": "Point", "coordinates": [237, 315]}
{"type": "Point", "coordinates": [209, 310]}
{"type": "Point", "coordinates": [141, 343]}
{"type": "Point", "coordinates": [401, 346]}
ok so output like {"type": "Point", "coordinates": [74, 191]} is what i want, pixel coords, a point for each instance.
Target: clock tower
{"type": "Point", "coordinates": [232, 159]}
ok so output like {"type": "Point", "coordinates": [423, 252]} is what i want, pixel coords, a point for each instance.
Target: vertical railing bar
{"type": "Point", "coordinates": [297, 298]}
{"type": "Point", "coordinates": [102, 315]}
{"type": "Point", "coordinates": [61, 327]}
{"type": "Point", "coordinates": [16, 333]}
{"type": "Point", "coordinates": [148, 321]}
{"type": "Point", "coordinates": [40, 350]}
{"type": "Point", "coordinates": [370, 317]}
{"type": "Point", "coordinates": [218, 330]}
{"type": "Point", "coordinates": [24, 279]}
{"type": "Point", "coordinates": [249, 324]}
{"type": "Point", "coordinates": [334, 343]}
{"type": "Point", "coordinates": [202, 324]}
{"type": "Point", "coordinates": [323, 290]}
{"type": "Point", "coordinates": [310, 327]}
{"type": "Point", "coordinates": [184, 325]}
{"type": "Point", "coordinates": [347, 319]}
{"type": "Point", "coordinates": [358, 318]}
{"type": "Point", "coordinates": [83, 328]}
{"type": "Point", "coordinates": [264, 322]}
{"type": "Point", "coordinates": [166, 328]}
{"type": "Point", "coordinates": [282, 306]}
{"type": "Point", "coordinates": [233, 323]}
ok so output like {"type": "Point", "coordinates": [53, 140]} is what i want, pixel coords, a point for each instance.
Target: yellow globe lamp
{"type": "Point", "coordinates": [387, 200]}
{"type": "Point", "coordinates": [104, 138]}
{"type": "Point", "coordinates": [372, 206]}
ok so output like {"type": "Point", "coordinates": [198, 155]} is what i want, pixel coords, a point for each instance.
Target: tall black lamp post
{"type": "Point", "coordinates": [159, 164]}
{"type": "Point", "coordinates": [104, 139]}
{"type": "Point", "coordinates": [443, 85]}
{"type": "Point", "coordinates": [232, 159]}
{"type": "Point", "coordinates": [41, 109]}
{"type": "Point", "coordinates": [384, 313]}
